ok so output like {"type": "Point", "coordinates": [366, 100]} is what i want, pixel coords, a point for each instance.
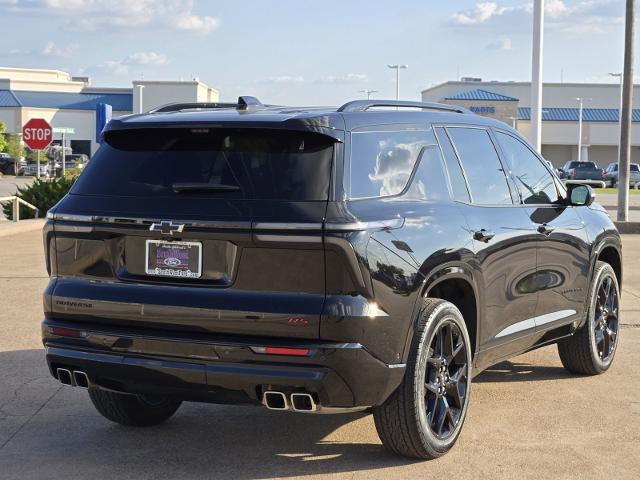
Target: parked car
{"type": "Point", "coordinates": [322, 260]}
{"type": "Point", "coordinates": [611, 175]}
{"type": "Point", "coordinates": [8, 164]}
{"type": "Point", "coordinates": [72, 160]}
{"type": "Point", "coordinates": [587, 171]}
{"type": "Point", "coordinates": [31, 169]}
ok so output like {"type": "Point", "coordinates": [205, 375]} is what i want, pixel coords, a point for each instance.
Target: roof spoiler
{"type": "Point", "coordinates": [364, 105]}
{"type": "Point", "coordinates": [245, 103]}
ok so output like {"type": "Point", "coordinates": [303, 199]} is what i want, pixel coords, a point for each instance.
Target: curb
{"type": "Point", "coordinates": [628, 227]}
{"type": "Point", "coordinates": [12, 228]}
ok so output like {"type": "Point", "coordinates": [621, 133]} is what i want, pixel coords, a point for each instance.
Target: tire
{"type": "Point", "coordinates": [407, 422]}
{"type": "Point", "coordinates": [590, 351]}
{"type": "Point", "coordinates": [132, 410]}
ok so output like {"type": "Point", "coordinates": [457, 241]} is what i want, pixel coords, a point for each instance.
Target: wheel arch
{"type": "Point", "coordinates": [454, 283]}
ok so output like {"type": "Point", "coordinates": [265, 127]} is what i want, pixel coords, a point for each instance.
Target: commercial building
{"type": "Point", "coordinates": [70, 102]}
{"type": "Point", "coordinates": [510, 102]}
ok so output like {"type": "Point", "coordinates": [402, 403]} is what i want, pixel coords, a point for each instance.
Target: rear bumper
{"type": "Point", "coordinates": [219, 370]}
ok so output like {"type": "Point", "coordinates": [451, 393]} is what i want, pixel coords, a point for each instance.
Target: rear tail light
{"type": "Point", "coordinates": [574, 173]}
{"type": "Point", "coordinates": [294, 352]}
{"type": "Point", "coordinates": [601, 173]}
{"type": "Point", "coordinates": [67, 332]}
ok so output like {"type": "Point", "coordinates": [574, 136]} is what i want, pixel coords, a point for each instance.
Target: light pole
{"type": "Point", "coordinates": [397, 68]}
{"type": "Point", "coordinates": [626, 113]}
{"type": "Point", "coordinates": [140, 87]}
{"type": "Point", "coordinates": [581, 100]}
{"type": "Point", "coordinates": [368, 92]}
{"type": "Point", "coordinates": [536, 74]}
{"type": "Point", "coordinates": [619, 112]}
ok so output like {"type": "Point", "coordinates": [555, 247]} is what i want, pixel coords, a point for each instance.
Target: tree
{"type": "Point", "coordinates": [3, 142]}
{"type": "Point", "coordinates": [15, 148]}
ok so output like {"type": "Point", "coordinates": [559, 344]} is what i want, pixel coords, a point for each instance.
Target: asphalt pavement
{"type": "Point", "coordinates": [528, 417]}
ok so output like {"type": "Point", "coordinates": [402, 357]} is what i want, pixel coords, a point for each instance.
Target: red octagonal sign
{"type": "Point", "coordinates": [37, 133]}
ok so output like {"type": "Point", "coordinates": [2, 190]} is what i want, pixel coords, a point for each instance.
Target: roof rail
{"type": "Point", "coordinates": [244, 103]}
{"type": "Point", "coordinates": [176, 107]}
{"type": "Point", "coordinates": [364, 105]}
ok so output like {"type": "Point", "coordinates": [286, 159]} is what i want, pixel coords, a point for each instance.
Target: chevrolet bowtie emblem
{"type": "Point", "coordinates": [167, 227]}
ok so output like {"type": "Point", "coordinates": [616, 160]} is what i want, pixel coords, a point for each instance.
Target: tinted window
{"type": "Point", "coordinates": [382, 162]}
{"type": "Point", "coordinates": [583, 165]}
{"type": "Point", "coordinates": [634, 167]}
{"type": "Point", "coordinates": [534, 182]}
{"type": "Point", "coordinates": [429, 182]}
{"type": "Point", "coordinates": [458, 184]}
{"type": "Point", "coordinates": [256, 164]}
{"type": "Point", "coordinates": [481, 166]}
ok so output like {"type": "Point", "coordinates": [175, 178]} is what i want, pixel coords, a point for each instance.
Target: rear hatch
{"type": "Point", "coordinates": [213, 230]}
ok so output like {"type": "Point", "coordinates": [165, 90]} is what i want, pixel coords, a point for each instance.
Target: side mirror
{"type": "Point", "coordinates": [581, 195]}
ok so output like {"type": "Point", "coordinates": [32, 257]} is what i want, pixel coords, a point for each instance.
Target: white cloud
{"type": "Point", "coordinates": [345, 79]}
{"type": "Point", "coordinates": [582, 16]}
{"type": "Point", "coordinates": [50, 49]}
{"type": "Point", "coordinates": [503, 43]}
{"type": "Point", "coordinates": [138, 59]}
{"type": "Point", "coordinates": [146, 58]}
{"type": "Point", "coordinates": [282, 79]}
{"type": "Point", "coordinates": [93, 15]}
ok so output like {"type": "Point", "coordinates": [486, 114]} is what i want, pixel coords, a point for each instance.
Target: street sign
{"type": "Point", "coordinates": [67, 130]}
{"type": "Point", "coordinates": [37, 133]}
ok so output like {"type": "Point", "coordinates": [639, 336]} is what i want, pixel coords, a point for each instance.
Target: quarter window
{"type": "Point", "coordinates": [382, 162]}
{"type": "Point", "coordinates": [482, 167]}
{"type": "Point", "coordinates": [458, 184]}
{"type": "Point", "coordinates": [534, 182]}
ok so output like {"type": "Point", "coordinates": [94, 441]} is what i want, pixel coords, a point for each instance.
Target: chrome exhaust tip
{"type": "Point", "coordinates": [275, 400]}
{"type": "Point", "coordinates": [303, 402]}
{"type": "Point", "coordinates": [64, 376]}
{"type": "Point", "coordinates": [81, 379]}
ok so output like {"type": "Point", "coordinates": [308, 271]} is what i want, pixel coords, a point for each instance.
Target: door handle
{"type": "Point", "coordinates": [483, 235]}
{"type": "Point", "coordinates": [545, 229]}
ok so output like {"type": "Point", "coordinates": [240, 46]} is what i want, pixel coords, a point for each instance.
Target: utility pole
{"type": "Point", "coordinates": [397, 68]}
{"type": "Point", "coordinates": [619, 113]}
{"type": "Point", "coordinates": [581, 100]}
{"type": "Point", "coordinates": [368, 92]}
{"type": "Point", "coordinates": [536, 74]}
{"type": "Point", "coordinates": [625, 115]}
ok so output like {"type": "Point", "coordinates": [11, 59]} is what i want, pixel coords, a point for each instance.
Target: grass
{"type": "Point", "coordinates": [614, 191]}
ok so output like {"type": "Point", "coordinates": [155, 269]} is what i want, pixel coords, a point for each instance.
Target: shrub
{"type": "Point", "coordinates": [43, 194]}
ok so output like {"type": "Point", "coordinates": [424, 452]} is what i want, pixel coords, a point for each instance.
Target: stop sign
{"type": "Point", "coordinates": [37, 133]}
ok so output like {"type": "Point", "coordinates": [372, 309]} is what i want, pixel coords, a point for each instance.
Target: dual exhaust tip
{"type": "Point", "coordinates": [75, 378]}
{"type": "Point", "coordinates": [298, 402]}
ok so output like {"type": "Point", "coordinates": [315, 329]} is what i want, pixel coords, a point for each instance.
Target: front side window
{"type": "Point", "coordinates": [482, 167]}
{"type": "Point", "coordinates": [534, 182]}
{"type": "Point", "coordinates": [382, 162]}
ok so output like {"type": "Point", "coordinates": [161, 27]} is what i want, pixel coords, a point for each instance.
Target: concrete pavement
{"type": "Point", "coordinates": [528, 417]}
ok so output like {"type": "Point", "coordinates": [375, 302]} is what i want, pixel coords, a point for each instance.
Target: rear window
{"type": "Point", "coordinates": [584, 165]}
{"type": "Point", "coordinates": [220, 163]}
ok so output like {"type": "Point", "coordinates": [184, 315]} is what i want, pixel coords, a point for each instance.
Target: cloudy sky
{"type": "Point", "coordinates": [310, 52]}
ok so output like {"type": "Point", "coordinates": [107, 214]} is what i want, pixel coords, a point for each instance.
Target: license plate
{"type": "Point", "coordinates": [174, 259]}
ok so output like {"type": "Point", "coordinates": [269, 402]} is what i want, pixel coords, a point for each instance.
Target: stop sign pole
{"type": "Point", "coordinates": [37, 134]}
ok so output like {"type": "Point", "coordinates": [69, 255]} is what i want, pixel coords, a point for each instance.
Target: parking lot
{"type": "Point", "coordinates": [528, 417]}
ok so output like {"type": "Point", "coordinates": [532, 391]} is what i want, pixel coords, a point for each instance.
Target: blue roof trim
{"type": "Point", "coordinates": [479, 94]}
{"type": "Point", "coordinates": [121, 102]}
{"type": "Point", "coordinates": [572, 114]}
{"type": "Point", "coordinates": [8, 99]}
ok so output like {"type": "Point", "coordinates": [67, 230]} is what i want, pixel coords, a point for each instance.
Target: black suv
{"type": "Point", "coordinates": [374, 256]}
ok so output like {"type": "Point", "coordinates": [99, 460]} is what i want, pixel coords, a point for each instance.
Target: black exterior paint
{"type": "Point", "coordinates": [346, 289]}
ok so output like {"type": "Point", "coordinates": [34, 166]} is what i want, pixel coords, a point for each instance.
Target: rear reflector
{"type": "Point", "coordinates": [67, 332]}
{"type": "Point", "coordinates": [297, 352]}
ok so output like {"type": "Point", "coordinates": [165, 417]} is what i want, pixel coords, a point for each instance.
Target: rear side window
{"type": "Point", "coordinates": [429, 181]}
{"type": "Point", "coordinates": [458, 183]}
{"type": "Point", "coordinates": [218, 163]}
{"type": "Point", "coordinates": [382, 162]}
{"type": "Point", "coordinates": [482, 167]}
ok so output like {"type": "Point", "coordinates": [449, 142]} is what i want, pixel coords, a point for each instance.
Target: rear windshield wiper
{"type": "Point", "coordinates": [201, 187]}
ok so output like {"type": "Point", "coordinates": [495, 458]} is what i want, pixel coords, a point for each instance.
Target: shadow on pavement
{"type": "Point", "coordinates": [66, 438]}
{"type": "Point", "coordinates": [510, 371]}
